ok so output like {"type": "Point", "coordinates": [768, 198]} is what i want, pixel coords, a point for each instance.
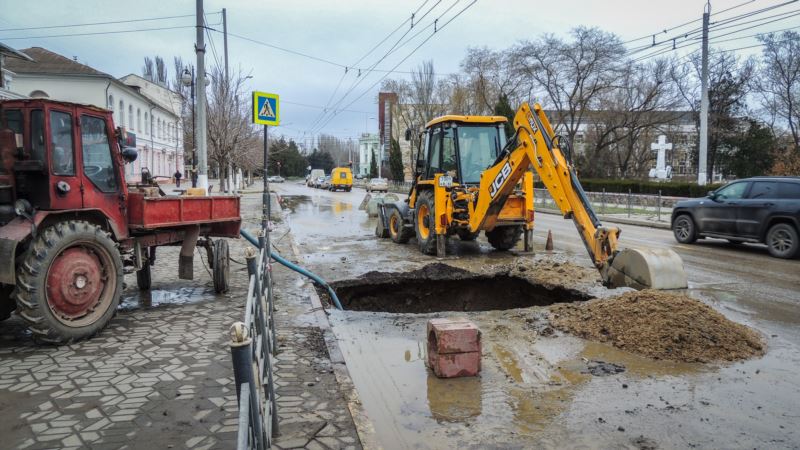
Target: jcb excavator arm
{"type": "Point", "coordinates": [537, 146]}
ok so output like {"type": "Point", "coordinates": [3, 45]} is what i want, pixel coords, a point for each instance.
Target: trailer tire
{"type": "Point", "coordinates": [222, 266]}
{"type": "Point", "coordinates": [143, 277]}
{"type": "Point", "coordinates": [399, 233]}
{"type": "Point", "coordinates": [425, 223]}
{"type": "Point", "coordinates": [504, 238]}
{"type": "Point", "coordinates": [69, 282]}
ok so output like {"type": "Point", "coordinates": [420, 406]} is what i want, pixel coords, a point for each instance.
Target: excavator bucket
{"type": "Point", "coordinates": [647, 269]}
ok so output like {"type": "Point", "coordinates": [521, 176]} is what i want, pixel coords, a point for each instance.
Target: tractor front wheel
{"type": "Point", "coordinates": [69, 282]}
{"type": "Point", "coordinates": [504, 238]}
{"type": "Point", "coordinates": [399, 233]}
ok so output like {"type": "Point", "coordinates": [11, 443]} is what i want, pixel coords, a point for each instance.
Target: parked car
{"type": "Point", "coordinates": [275, 179]}
{"type": "Point", "coordinates": [312, 177]}
{"type": "Point", "coordinates": [359, 176]}
{"type": "Point", "coordinates": [326, 183]}
{"type": "Point", "coordinates": [761, 209]}
{"type": "Point", "coordinates": [318, 182]}
{"type": "Point", "coordinates": [378, 185]}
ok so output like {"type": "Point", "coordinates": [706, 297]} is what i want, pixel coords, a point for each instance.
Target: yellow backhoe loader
{"type": "Point", "coordinates": [470, 179]}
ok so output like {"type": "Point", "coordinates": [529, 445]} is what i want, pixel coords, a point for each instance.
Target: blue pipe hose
{"type": "Point", "coordinates": [296, 268]}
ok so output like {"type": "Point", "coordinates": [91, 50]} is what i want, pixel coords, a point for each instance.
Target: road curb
{"type": "Point", "coordinates": [364, 428]}
{"type": "Point", "coordinates": [622, 220]}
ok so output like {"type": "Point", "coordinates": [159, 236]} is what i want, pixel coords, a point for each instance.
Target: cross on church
{"type": "Point", "coordinates": [661, 159]}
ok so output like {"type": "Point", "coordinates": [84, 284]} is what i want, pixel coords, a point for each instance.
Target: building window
{"type": "Point", "coordinates": [139, 119]}
{"type": "Point", "coordinates": [146, 123]}
{"type": "Point", "coordinates": [121, 113]}
{"type": "Point", "coordinates": [130, 117]}
{"type": "Point", "coordinates": [111, 103]}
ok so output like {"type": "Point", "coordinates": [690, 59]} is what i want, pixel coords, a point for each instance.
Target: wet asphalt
{"type": "Point", "coordinates": [535, 391]}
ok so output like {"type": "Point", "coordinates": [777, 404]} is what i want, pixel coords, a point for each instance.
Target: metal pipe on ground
{"type": "Point", "coordinates": [296, 268]}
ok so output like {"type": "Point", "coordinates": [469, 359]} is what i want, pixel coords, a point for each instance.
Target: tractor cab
{"type": "Point", "coordinates": [57, 156]}
{"type": "Point", "coordinates": [460, 147]}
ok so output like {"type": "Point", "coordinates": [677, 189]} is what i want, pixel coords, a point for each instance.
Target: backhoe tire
{"type": "Point", "coordinates": [222, 266]}
{"type": "Point", "coordinates": [684, 229]}
{"type": "Point", "coordinates": [425, 223]}
{"type": "Point", "coordinates": [143, 277]}
{"type": "Point", "coordinates": [399, 233]}
{"type": "Point", "coordinates": [69, 282]}
{"type": "Point", "coordinates": [504, 238]}
{"type": "Point", "coordinates": [465, 235]}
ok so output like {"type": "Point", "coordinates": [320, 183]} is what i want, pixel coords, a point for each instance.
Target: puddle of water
{"type": "Point", "coordinates": [155, 298]}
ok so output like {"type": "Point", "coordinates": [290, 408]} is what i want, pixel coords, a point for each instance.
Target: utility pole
{"type": "Point", "coordinates": [200, 125]}
{"type": "Point", "coordinates": [702, 165]}
{"type": "Point", "coordinates": [225, 44]}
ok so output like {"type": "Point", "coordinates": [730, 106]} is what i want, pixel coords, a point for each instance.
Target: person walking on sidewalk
{"type": "Point", "coordinates": [177, 176]}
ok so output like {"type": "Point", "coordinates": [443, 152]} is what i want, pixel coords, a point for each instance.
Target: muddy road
{"type": "Point", "coordinates": [541, 388]}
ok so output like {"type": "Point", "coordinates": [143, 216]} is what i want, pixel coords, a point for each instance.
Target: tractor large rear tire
{"type": "Point", "coordinates": [69, 282]}
{"type": "Point", "coordinates": [222, 266]}
{"type": "Point", "coordinates": [504, 238]}
{"type": "Point", "coordinates": [425, 223]}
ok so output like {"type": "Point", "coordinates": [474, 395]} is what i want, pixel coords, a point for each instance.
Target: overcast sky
{"type": "Point", "coordinates": [338, 31]}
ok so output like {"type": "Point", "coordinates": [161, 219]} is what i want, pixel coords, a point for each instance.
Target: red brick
{"type": "Point", "coordinates": [453, 336]}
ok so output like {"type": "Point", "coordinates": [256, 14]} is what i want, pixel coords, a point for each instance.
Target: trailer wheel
{"type": "Point", "coordinates": [143, 278]}
{"type": "Point", "coordinates": [69, 282]}
{"type": "Point", "coordinates": [504, 238]}
{"type": "Point", "coordinates": [399, 233]}
{"type": "Point", "coordinates": [425, 223]}
{"type": "Point", "coordinates": [222, 266]}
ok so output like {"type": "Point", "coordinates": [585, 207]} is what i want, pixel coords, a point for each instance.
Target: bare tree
{"type": "Point", "coordinates": [778, 82]}
{"type": "Point", "coordinates": [643, 98]}
{"type": "Point", "coordinates": [570, 75]}
{"type": "Point", "coordinates": [230, 133]}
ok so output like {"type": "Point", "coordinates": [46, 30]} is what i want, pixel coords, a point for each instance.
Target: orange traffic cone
{"type": "Point", "coordinates": [549, 245]}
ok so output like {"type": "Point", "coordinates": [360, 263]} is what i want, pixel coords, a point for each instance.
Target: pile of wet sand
{"type": "Point", "coordinates": [660, 325]}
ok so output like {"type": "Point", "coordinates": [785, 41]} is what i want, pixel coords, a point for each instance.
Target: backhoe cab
{"type": "Point", "coordinates": [470, 179]}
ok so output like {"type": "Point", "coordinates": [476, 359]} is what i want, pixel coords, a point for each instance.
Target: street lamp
{"type": "Point", "coordinates": [188, 80]}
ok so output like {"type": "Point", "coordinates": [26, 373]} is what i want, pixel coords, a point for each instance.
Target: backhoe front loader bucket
{"type": "Point", "coordinates": [646, 269]}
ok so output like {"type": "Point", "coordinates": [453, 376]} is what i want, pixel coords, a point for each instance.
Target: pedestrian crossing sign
{"type": "Point", "coordinates": [266, 108]}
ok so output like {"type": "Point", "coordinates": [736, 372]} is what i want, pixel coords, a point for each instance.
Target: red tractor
{"type": "Point", "coordinates": [70, 226]}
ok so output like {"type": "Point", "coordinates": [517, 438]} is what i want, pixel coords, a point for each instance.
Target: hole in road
{"type": "Point", "coordinates": [439, 287]}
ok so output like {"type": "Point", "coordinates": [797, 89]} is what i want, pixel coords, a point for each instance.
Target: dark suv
{"type": "Point", "coordinates": [762, 209]}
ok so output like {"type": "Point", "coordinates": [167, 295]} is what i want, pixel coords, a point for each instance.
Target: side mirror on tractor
{"type": "Point", "coordinates": [420, 165]}
{"type": "Point", "coordinates": [129, 154]}
{"type": "Point", "coordinates": [408, 134]}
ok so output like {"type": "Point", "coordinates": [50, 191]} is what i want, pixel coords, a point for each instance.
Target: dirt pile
{"type": "Point", "coordinates": [660, 325]}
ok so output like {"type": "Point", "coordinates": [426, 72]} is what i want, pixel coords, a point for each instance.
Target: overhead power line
{"type": "Point", "coordinates": [406, 58]}
{"type": "Point", "coordinates": [321, 115]}
{"type": "Point", "coordinates": [666, 30]}
{"type": "Point", "coordinates": [398, 43]}
{"type": "Point", "coordinates": [97, 33]}
{"type": "Point", "coordinates": [676, 39]}
{"type": "Point", "coordinates": [112, 22]}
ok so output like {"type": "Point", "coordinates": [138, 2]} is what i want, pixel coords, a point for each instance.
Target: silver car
{"type": "Point", "coordinates": [378, 185]}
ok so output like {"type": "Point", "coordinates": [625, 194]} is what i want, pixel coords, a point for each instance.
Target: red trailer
{"type": "Point", "coordinates": [70, 226]}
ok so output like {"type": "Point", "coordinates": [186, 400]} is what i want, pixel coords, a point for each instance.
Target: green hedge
{"type": "Point", "coordinates": [668, 189]}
